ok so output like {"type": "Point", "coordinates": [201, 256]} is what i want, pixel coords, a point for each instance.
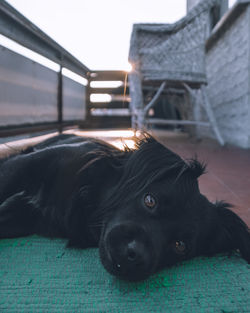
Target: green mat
{"type": "Point", "coordinates": [40, 275]}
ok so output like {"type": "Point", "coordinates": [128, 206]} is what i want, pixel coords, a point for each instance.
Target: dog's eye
{"type": "Point", "coordinates": [149, 201]}
{"type": "Point", "coordinates": [180, 247]}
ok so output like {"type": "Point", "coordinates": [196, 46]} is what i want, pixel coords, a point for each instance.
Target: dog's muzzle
{"type": "Point", "coordinates": [127, 251]}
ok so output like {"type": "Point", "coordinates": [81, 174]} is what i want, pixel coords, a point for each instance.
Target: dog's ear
{"type": "Point", "coordinates": [196, 168]}
{"type": "Point", "coordinates": [229, 232]}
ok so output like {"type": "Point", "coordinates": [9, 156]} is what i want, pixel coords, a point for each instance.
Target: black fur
{"type": "Point", "coordinates": [142, 207]}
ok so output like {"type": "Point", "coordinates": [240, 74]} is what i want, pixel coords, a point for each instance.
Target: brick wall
{"type": "Point", "coordinates": [228, 82]}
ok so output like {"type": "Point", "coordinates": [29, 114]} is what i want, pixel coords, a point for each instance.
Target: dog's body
{"type": "Point", "coordinates": [141, 207]}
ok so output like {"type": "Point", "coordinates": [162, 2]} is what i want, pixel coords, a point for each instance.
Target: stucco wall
{"type": "Point", "coordinates": [228, 82]}
{"type": "Point", "coordinates": [191, 4]}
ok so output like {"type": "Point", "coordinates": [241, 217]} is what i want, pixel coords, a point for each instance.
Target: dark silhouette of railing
{"type": "Point", "coordinates": [33, 97]}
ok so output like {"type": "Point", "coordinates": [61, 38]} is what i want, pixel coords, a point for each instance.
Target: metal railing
{"type": "Point", "coordinates": [58, 100]}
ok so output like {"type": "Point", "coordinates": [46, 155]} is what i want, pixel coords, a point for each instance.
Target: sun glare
{"type": "Point", "coordinates": [122, 144]}
{"type": "Point", "coordinates": [107, 133]}
{"type": "Point", "coordinates": [128, 67]}
{"type": "Point", "coordinates": [118, 138]}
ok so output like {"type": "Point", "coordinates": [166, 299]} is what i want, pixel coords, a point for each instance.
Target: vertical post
{"type": "Point", "coordinates": [88, 92]}
{"type": "Point", "coordinates": [197, 113]}
{"type": "Point", "coordinates": [60, 100]}
{"type": "Point", "coordinates": [211, 116]}
{"type": "Point", "coordinates": [136, 103]}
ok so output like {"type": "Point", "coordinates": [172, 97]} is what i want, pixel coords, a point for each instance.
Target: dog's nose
{"type": "Point", "coordinates": [127, 251]}
{"type": "Point", "coordinates": [133, 252]}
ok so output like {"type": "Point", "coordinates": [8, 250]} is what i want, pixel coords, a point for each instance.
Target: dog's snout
{"type": "Point", "coordinates": [130, 256]}
{"type": "Point", "coordinates": [128, 251]}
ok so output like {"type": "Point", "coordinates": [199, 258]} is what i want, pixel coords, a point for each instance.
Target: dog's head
{"type": "Point", "coordinates": [158, 217]}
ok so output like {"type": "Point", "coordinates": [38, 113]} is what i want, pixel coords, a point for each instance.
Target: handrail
{"type": "Point", "coordinates": [18, 28]}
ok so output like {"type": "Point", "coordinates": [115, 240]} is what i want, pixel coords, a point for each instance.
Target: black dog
{"type": "Point", "coordinates": [142, 207]}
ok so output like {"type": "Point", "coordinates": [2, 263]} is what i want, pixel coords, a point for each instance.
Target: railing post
{"type": "Point", "coordinates": [60, 100]}
{"type": "Point", "coordinates": [88, 92]}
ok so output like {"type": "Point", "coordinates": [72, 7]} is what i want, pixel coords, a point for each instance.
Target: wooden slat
{"type": "Point", "coordinates": [118, 122]}
{"type": "Point", "coordinates": [157, 121]}
{"type": "Point", "coordinates": [108, 75]}
{"type": "Point", "coordinates": [109, 105]}
{"type": "Point", "coordinates": [119, 101]}
{"type": "Point", "coordinates": [112, 91]}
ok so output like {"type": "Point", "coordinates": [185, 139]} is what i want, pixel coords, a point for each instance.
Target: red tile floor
{"type": "Point", "coordinates": [228, 168]}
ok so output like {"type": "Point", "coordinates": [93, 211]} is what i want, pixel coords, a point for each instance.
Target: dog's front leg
{"type": "Point", "coordinates": [17, 216]}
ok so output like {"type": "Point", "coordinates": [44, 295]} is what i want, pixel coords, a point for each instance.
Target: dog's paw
{"type": "Point", "coordinates": [13, 204]}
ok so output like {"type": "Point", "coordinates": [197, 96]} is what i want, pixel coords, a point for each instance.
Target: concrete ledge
{"type": "Point", "coordinates": [226, 21]}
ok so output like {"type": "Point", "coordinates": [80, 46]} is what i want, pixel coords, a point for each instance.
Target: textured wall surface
{"type": "Point", "coordinates": [191, 4]}
{"type": "Point", "coordinates": [40, 275]}
{"type": "Point", "coordinates": [228, 82]}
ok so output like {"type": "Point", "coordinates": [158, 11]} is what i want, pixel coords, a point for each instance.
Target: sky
{"type": "Point", "coordinates": [97, 32]}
